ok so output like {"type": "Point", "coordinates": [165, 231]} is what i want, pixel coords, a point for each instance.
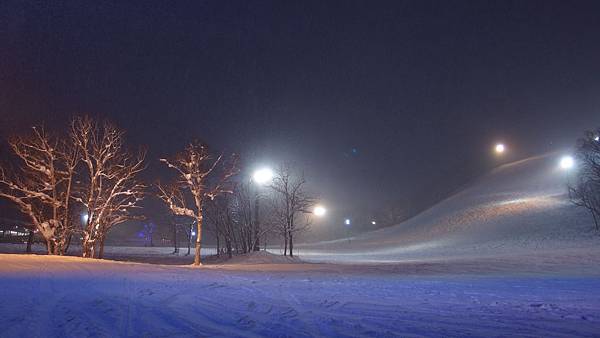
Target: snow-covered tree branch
{"type": "Point", "coordinates": [41, 185]}
{"type": "Point", "coordinates": [110, 189]}
{"type": "Point", "coordinates": [201, 178]}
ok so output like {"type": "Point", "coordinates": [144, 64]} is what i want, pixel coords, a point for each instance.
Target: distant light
{"type": "Point", "coordinates": [193, 233]}
{"type": "Point", "coordinates": [85, 217]}
{"type": "Point", "coordinates": [567, 162]}
{"type": "Point", "coordinates": [373, 222]}
{"type": "Point", "coordinates": [263, 175]}
{"type": "Point", "coordinates": [319, 211]}
{"type": "Point", "coordinates": [500, 148]}
{"type": "Point", "coordinates": [347, 221]}
{"type": "Point", "coordinates": [597, 138]}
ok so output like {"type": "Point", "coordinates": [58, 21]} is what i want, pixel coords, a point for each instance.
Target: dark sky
{"type": "Point", "coordinates": [380, 102]}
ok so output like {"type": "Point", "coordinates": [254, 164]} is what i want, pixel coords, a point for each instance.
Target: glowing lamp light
{"type": "Point", "coordinates": [596, 138]}
{"type": "Point", "coordinates": [566, 162]}
{"type": "Point", "coordinates": [373, 222]}
{"type": "Point", "coordinates": [193, 233]}
{"type": "Point", "coordinates": [85, 217]}
{"type": "Point", "coordinates": [263, 176]}
{"type": "Point", "coordinates": [500, 148]}
{"type": "Point", "coordinates": [319, 211]}
{"type": "Point", "coordinates": [347, 221]}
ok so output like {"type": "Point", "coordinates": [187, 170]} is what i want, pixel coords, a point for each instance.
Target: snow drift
{"type": "Point", "coordinates": [518, 208]}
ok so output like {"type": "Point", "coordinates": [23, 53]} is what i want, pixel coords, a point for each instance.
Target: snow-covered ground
{"type": "Point", "coordinates": [507, 256]}
{"type": "Point", "coordinates": [71, 297]}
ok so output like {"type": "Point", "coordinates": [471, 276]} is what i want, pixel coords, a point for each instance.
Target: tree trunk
{"type": "Point", "coordinates": [189, 242]}
{"type": "Point", "coordinates": [101, 251]}
{"type": "Point", "coordinates": [285, 243]}
{"type": "Point", "coordinates": [291, 245]}
{"type": "Point", "coordinates": [229, 251]}
{"type": "Point", "coordinates": [197, 258]}
{"type": "Point", "coordinates": [175, 248]}
{"type": "Point", "coordinates": [50, 247]}
{"type": "Point", "coordinates": [255, 245]}
{"type": "Point", "coordinates": [29, 241]}
{"type": "Point", "coordinates": [593, 212]}
{"type": "Point", "coordinates": [87, 248]}
{"type": "Point", "coordinates": [243, 240]}
{"type": "Point", "coordinates": [218, 246]}
{"type": "Point", "coordinates": [68, 244]}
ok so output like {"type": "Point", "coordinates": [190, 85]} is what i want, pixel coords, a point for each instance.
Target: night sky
{"type": "Point", "coordinates": [381, 103]}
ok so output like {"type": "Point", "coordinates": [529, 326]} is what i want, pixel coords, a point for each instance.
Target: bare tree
{"type": "Point", "coordinates": [585, 192]}
{"type": "Point", "coordinates": [41, 185]}
{"type": "Point", "coordinates": [291, 205]}
{"type": "Point", "coordinates": [219, 214]}
{"type": "Point", "coordinates": [245, 218]}
{"type": "Point", "coordinates": [110, 189]}
{"type": "Point", "coordinates": [202, 178]}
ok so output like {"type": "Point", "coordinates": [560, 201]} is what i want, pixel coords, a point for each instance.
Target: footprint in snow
{"type": "Point", "coordinates": [215, 286]}
{"type": "Point", "coordinates": [328, 304]}
{"type": "Point", "coordinates": [289, 313]}
{"type": "Point", "coordinates": [246, 322]}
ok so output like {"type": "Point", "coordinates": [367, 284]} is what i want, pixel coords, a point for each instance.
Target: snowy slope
{"type": "Point", "coordinates": [518, 208]}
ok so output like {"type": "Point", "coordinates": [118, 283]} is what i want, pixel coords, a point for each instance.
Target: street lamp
{"type": "Point", "coordinates": [260, 177]}
{"type": "Point", "coordinates": [566, 162]}
{"type": "Point", "coordinates": [319, 211]}
{"type": "Point", "coordinates": [347, 221]}
{"type": "Point", "coordinates": [500, 148]}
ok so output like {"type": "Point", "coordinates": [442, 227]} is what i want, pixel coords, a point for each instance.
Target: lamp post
{"type": "Point", "coordinates": [260, 177]}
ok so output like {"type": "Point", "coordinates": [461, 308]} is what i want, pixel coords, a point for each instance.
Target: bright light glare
{"type": "Point", "coordinates": [193, 233]}
{"type": "Point", "coordinates": [263, 176]}
{"type": "Point", "coordinates": [567, 162]}
{"type": "Point", "coordinates": [373, 222]}
{"type": "Point", "coordinates": [319, 211]}
{"type": "Point", "coordinates": [597, 138]}
{"type": "Point", "coordinates": [347, 221]}
{"type": "Point", "coordinates": [85, 217]}
{"type": "Point", "coordinates": [500, 148]}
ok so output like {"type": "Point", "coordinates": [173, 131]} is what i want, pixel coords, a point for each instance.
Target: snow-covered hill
{"type": "Point", "coordinates": [519, 208]}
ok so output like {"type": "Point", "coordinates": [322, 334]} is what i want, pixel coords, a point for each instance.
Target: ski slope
{"type": "Point", "coordinates": [519, 208]}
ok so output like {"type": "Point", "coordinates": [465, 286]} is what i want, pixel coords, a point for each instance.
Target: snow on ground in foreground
{"type": "Point", "coordinates": [508, 256]}
{"type": "Point", "coordinates": [518, 209]}
{"type": "Point", "coordinates": [72, 297]}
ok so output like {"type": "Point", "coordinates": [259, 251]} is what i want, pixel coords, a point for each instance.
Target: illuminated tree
{"type": "Point", "coordinates": [41, 185]}
{"type": "Point", "coordinates": [201, 178]}
{"type": "Point", "coordinates": [110, 190]}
